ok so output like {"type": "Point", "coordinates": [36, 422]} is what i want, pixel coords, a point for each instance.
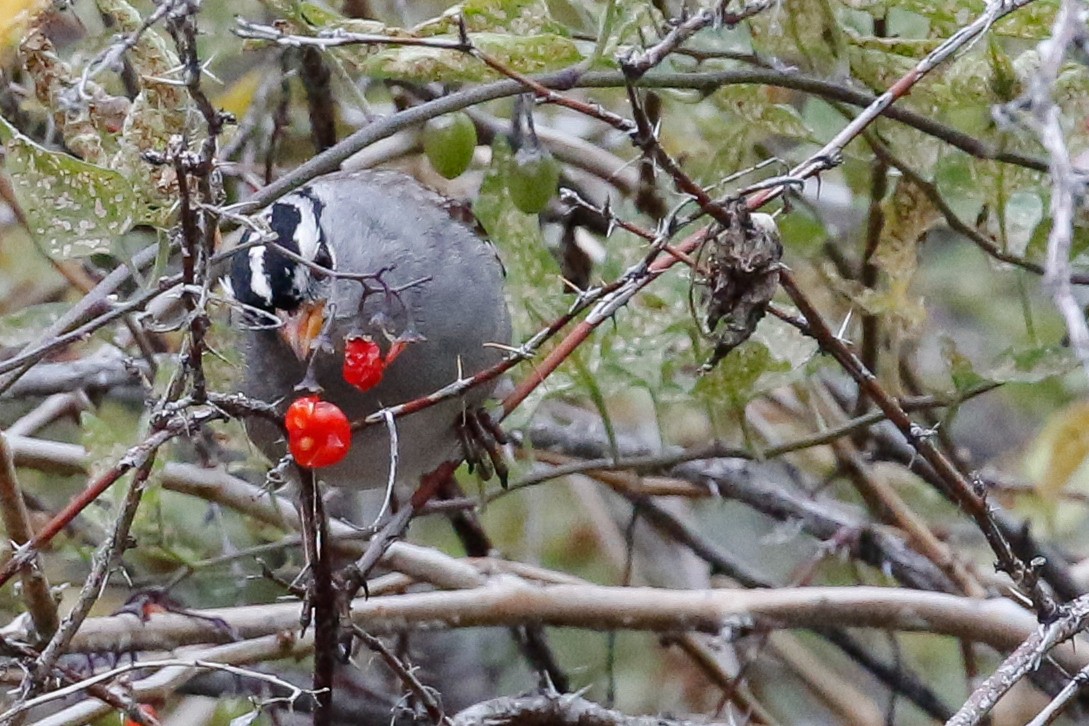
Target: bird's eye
{"type": "Point", "coordinates": [263, 278]}
{"type": "Point", "coordinates": [269, 278]}
{"type": "Point", "coordinates": [323, 258]}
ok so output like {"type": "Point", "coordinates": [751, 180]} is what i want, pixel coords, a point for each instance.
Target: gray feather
{"type": "Point", "coordinates": [375, 220]}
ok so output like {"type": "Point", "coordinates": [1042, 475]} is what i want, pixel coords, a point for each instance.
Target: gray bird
{"type": "Point", "coordinates": [443, 290]}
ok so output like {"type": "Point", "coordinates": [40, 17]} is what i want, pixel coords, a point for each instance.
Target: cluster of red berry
{"type": "Point", "coordinates": [318, 432]}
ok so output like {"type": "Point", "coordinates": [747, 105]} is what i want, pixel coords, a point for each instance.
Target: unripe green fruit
{"type": "Point", "coordinates": [449, 142]}
{"type": "Point", "coordinates": [532, 179]}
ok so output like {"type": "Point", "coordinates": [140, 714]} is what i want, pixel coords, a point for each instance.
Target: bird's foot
{"type": "Point", "coordinates": [481, 442]}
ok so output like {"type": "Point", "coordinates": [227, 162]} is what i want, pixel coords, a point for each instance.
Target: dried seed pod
{"type": "Point", "coordinates": [737, 275]}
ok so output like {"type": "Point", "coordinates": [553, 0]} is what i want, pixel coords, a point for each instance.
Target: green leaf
{"type": "Point", "coordinates": [1031, 365]}
{"type": "Point", "coordinates": [733, 381]}
{"type": "Point", "coordinates": [807, 31]}
{"type": "Point", "coordinates": [626, 24]}
{"type": "Point", "coordinates": [955, 178]}
{"type": "Point", "coordinates": [323, 18]}
{"type": "Point", "coordinates": [106, 434]}
{"type": "Point", "coordinates": [964, 375]}
{"type": "Point", "coordinates": [524, 54]}
{"type": "Point", "coordinates": [1005, 84]}
{"type": "Point", "coordinates": [605, 31]}
{"type": "Point", "coordinates": [1014, 365]}
{"type": "Point", "coordinates": [23, 326]}
{"type": "Point", "coordinates": [761, 108]}
{"type": "Point", "coordinates": [1032, 21]}
{"type": "Point", "coordinates": [524, 17]}
{"type": "Point", "coordinates": [530, 267]}
{"type": "Point", "coordinates": [1022, 213]}
{"type": "Point", "coordinates": [73, 208]}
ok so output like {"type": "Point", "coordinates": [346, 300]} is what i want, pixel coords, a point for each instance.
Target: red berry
{"type": "Point", "coordinates": [318, 432]}
{"type": "Point", "coordinates": [147, 710]}
{"type": "Point", "coordinates": [363, 364]}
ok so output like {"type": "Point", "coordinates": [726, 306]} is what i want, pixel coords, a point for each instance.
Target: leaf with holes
{"type": "Point", "coordinates": [521, 17]}
{"type": "Point", "coordinates": [22, 326]}
{"type": "Point", "coordinates": [525, 54]}
{"type": "Point", "coordinates": [74, 209]}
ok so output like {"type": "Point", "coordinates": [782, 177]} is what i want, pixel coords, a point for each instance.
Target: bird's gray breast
{"type": "Point", "coordinates": [436, 278]}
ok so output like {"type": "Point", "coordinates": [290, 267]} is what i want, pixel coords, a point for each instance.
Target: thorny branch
{"type": "Point", "coordinates": [1041, 113]}
{"type": "Point", "coordinates": [637, 63]}
{"type": "Point", "coordinates": [39, 599]}
{"type": "Point", "coordinates": [1026, 658]}
{"type": "Point", "coordinates": [105, 560]}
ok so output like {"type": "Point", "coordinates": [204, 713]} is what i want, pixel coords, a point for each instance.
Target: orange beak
{"type": "Point", "coordinates": [301, 328]}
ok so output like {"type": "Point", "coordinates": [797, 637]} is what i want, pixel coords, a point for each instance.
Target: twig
{"type": "Point", "coordinates": [380, 129]}
{"type": "Point", "coordinates": [1071, 619]}
{"type": "Point", "coordinates": [405, 675]}
{"type": "Point", "coordinates": [509, 602]}
{"type": "Point", "coordinates": [637, 63]}
{"type": "Point", "coordinates": [969, 497]}
{"type": "Point", "coordinates": [322, 595]}
{"type": "Point", "coordinates": [36, 594]}
{"type": "Point", "coordinates": [105, 559]}
{"type": "Point", "coordinates": [555, 708]}
{"type": "Point", "coordinates": [134, 458]}
{"type": "Point", "coordinates": [198, 231]}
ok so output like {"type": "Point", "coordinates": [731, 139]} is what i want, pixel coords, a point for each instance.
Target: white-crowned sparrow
{"type": "Point", "coordinates": [437, 281]}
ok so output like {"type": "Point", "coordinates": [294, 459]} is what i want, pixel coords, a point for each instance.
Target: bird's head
{"type": "Point", "coordinates": [284, 277]}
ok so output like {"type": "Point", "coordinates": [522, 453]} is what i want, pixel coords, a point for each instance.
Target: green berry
{"type": "Point", "coordinates": [449, 142]}
{"type": "Point", "coordinates": [532, 179]}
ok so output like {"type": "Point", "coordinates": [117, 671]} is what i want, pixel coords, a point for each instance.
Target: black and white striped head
{"type": "Point", "coordinates": [265, 278]}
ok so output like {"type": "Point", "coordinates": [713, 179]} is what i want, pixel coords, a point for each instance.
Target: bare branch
{"type": "Point", "coordinates": [39, 600]}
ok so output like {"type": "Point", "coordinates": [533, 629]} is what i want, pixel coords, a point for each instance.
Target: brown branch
{"type": "Point", "coordinates": [575, 78]}
{"type": "Point", "coordinates": [134, 458]}
{"type": "Point", "coordinates": [39, 600]}
{"type": "Point", "coordinates": [321, 597]}
{"type": "Point", "coordinates": [555, 709]}
{"type": "Point", "coordinates": [955, 485]}
{"type": "Point", "coordinates": [511, 602]}
{"type": "Point", "coordinates": [873, 545]}
{"type": "Point", "coordinates": [405, 675]}
{"type": "Point", "coordinates": [1071, 620]}
{"type": "Point", "coordinates": [105, 559]}
{"type": "Point", "coordinates": [934, 196]}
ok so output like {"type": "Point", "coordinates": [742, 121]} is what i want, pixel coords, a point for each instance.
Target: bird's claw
{"type": "Point", "coordinates": [481, 442]}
